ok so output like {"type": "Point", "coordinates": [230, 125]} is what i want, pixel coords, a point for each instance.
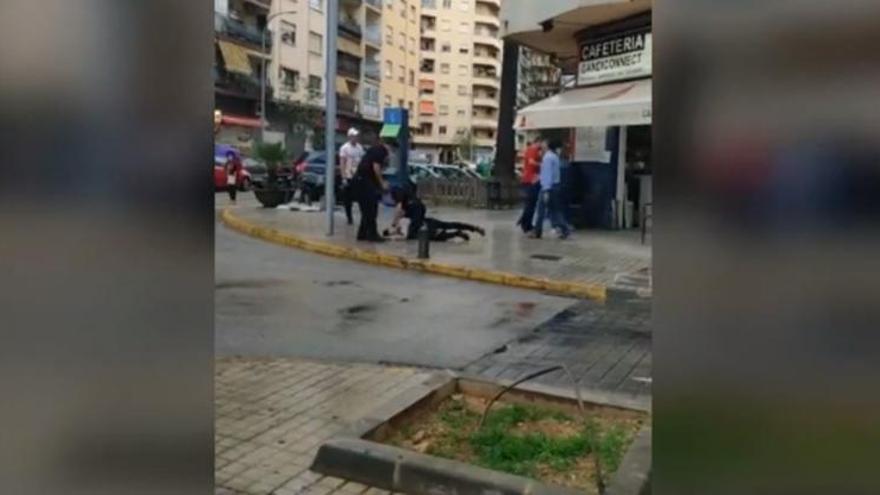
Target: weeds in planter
{"type": "Point", "coordinates": [523, 440]}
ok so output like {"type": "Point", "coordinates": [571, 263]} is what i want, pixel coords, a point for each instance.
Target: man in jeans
{"type": "Point", "coordinates": [550, 202]}
{"type": "Point", "coordinates": [530, 184]}
{"type": "Point", "coordinates": [349, 158]}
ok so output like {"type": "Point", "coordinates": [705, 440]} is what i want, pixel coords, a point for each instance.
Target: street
{"type": "Point", "coordinates": [281, 302]}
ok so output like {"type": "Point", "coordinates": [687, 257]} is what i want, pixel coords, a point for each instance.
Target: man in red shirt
{"type": "Point", "coordinates": [531, 185]}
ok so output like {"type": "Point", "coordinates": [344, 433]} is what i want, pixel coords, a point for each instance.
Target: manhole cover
{"type": "Point", "coordinates": [546, 257]}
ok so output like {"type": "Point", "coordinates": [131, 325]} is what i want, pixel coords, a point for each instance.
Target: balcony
{"type": "Point", "coordinates": [376, 4]}
{"type": "Point", "coordinates": [350, 28]}
{"type": "Point", "coordinates": [346, 104]}
{"type": "Point", "coordinates": [372, 70]}
{"type": "Point", "coordinates": [373, 35]}
{"type": "Point", "coordinates": [484, 122]}
{"type": "Point", "coordinates": [486, 79]}
{"type": "Point", "coordinates": [239, 31]}
{"type": "Point", "coordinates": [348, 68]}
{"type": "Point", "coordinates": [484, 140]}
{"type": "Point", "coordinates": [488, 19]}
{"type": "Point", "coordinates": [487, 37]}
{"type": "Point", "coordinates": [485, 101]}
{"type": "Point", "coordinates": [239, 85]}
{"type": "Point", "coordinates": [495, 3]}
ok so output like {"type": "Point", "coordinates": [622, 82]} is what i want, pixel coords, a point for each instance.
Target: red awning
{"type": "Point", "coordinates": [426, 108]}
{"type": "Point", "coordinates": [241, 121]}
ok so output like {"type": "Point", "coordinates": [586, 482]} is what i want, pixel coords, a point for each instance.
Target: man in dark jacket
{"type": "Point", "coordinates": [408, 205]}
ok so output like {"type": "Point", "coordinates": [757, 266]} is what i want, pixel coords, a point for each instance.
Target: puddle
{"type": "Point", "coordinates": [247, 284]}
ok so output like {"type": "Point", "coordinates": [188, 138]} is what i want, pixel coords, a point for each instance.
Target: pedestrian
{"type": "Point", "coordinates": [409, 206]}
{"type": "Point", "coordinates": [368, 186]}
{"type": "Point", "coordinates": [233, 171]}
{"type": "Point", "coordinates": [530, 184]}
{"type": "Point", "coordinates": [549, 203]}
{"type": "Point", "coordinates": [349, 158]}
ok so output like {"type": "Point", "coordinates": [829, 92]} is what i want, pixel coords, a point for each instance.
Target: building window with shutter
{"type": "Point", "coordinates": [288, 33]}
{"type": "Point", "coordinates": [290, 80]}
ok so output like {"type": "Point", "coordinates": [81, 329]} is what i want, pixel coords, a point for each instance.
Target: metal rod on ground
{"type": "Point", "coordinates": [330, 111]}
{"type": "Point", "coordinates": [529, 377]}
{"type": "Point", "coordinates": [424, 243]}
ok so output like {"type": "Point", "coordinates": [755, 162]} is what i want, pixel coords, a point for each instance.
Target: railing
{"type": "Point", "coordinates": [350, 27]}
{"type": "Point", "coordinates": [373, 35]}
{"type": "Point", "coordinates": [241, 85]}
{"type": "Point", "coordinates": [346, 104]}
{"type": "Point", "coordinates": [370, 109]}
{"type": "Point", "coordinates": [429, 4]}
{"type": "Point", "coordinates": [349, 67]}
{"type": "Point", "coordinates": [240, 31]}
{"type": "Point", "coordinates": [474, 193]}
{"type": "Point", "coordinates": [375, 3]}
{"type": "Point", "coordinates": [484, 121]}
{"type": "Point", "coordinates": [373, 71]}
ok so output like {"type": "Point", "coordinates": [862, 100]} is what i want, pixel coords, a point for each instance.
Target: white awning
{"type": "Point", "coordinates": [627, 103]}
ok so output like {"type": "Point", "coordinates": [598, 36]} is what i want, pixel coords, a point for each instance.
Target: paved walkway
{"type": "Point", "coordinates": [609, 258]}
{"type": "Point", "coordinates": [271, 415]}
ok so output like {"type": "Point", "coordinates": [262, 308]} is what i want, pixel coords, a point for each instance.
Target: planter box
{"type": "Point", "coordinates": [270, 198]}
{"type": "Point", "coordinates": [361, 456]}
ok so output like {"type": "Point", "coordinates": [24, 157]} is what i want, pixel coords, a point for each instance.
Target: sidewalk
{"type": "Point", "coordinates": [615, 259]}
{"type": "Point", "coordinates": [271, 415]}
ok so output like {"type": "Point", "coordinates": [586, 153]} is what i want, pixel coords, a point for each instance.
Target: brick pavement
{"type": "Point", "coordinates": [609, 258]}
{"type": "Point", "coordinates": [606, 347]}
{"type": "Point", "coordinates": [271, 415]}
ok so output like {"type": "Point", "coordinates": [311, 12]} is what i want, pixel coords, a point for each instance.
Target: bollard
{"type": "Point", "coordinates": [424, 243]}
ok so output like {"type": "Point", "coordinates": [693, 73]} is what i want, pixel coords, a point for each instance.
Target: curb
{"type": "Point", "coordinates": [398, 470]}
{"type": "Point", "coordinates": [573, 289]}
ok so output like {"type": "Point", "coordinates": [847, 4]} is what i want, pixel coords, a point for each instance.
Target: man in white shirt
{"type": "Point", "coordinates": [350, 156]}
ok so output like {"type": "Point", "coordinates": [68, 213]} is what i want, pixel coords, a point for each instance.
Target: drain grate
{"type": "Point", "coordinates": [546, 257]}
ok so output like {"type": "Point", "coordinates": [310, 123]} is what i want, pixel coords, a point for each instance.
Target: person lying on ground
{"type": "Point", "coordinates": [409, 206]}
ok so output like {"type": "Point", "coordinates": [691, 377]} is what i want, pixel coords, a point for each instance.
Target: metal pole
{"type": "Point", "coordinates": [263, 118]}
{"type": "Point", "coordinates": [330, 110]}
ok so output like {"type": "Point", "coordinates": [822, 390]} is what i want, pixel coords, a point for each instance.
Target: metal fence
{"type": "Point", "coordinates": [471, 193]}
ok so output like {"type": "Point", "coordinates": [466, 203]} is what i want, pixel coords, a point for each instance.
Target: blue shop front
{"type": "Point", "coordinates": [606, 122]}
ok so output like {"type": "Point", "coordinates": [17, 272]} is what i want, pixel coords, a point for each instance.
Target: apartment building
{"type": "Point", "coordinates": [399, 62]}
{"type": "Point", "coordinates": [458, 78]}
{"type": "Point", "coordinates": [238, 37]}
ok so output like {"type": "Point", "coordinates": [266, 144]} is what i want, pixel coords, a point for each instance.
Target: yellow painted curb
{"type": "Point", "coordinates": [573, 289]}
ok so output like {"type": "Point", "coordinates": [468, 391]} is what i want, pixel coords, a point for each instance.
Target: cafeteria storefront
{"type": "Point", "coordinates": [606, 122]}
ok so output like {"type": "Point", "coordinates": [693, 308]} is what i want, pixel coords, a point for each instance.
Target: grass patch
{"type": "Point", "coordinates": [540, 443]}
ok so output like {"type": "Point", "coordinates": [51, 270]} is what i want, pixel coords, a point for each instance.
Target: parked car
{"type": "Point", "coordinates": [450, 172]}
{"type": "Point", "coordinates": [243, 181]}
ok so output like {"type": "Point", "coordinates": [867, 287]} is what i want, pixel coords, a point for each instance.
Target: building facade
{"type": "Point", "coordinates": [458, 79]}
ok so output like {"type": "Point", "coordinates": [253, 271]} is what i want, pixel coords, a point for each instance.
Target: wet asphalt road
{"type": "Point", "coordinates": [277, 301]}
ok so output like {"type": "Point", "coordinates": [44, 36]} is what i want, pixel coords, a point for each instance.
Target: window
{"type": "Point", "coordinates": [442, 130]}
{"type": "Point", "coordinates": [462, 70]}
{"type": "Point", "coordinates": [403, 8]}
{"type": "Point", "coordinates": [412, 77]}
{"type": "Point", "coordinates": [389, 69]}
{"type": "Point", "coordinates": [461, 112]}
{"type": "Point", "coordinates": [464, 5]}
{"type": "Point", "coordinates": [444, 87]}
{"type": "Point", "coordinates": [412, 13]}
{"type": "Point", "coordinates": [371, 95]}
{"type": "Point", "coordinates": [402, 77]}
{"type": "Point", "coordinates": [445, 47]}
{"type": "Point", "coordinates": [290, 80]}
{"type": "Point", "coordinates": [410, 107]}
{"type": "Point", "coordinates": [444, 68]}
{"type": "Point", "coordinates": [389, 35]}
{"type": "Point", "coordinates": [316, 43]}
{"type": "Point", "coordinates": [463, 50]}
{"type": "Point", "coordinates": [403, 41]}
{"type": "Point", "coordinates": [464, 27]}
{"type": "Point", "coordinates": [400, 103]}
{"type": "Point", "coordinates": [387, 100]}
{"type": "Point", "coordinates": [462, 90]}
{"type": "Point", "coordinates": [429, 4]}
{"type": "Point", "coordinates": [316, 4]}
{"type": "Point", "coordinates": [461, 131]}
{"type": "Point", "coordinates": [447, 4]}
{"type": "Point", "coordinates": [412, 45]}
{"type": "Point", "coordinates": [288, 33]}
{"type": "Point", "coordinates": [315, 85]}
{"type": "Point", "coordinates": [445, 25]}
{"type": "Point", "coordinates": [444, 110]}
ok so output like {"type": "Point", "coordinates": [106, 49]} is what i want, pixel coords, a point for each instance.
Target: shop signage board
{"type": "Point", "coordinates": [615, 57]}
{"type": "Point", "coordinates": [589, 145]}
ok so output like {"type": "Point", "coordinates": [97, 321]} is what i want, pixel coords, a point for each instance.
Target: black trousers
{"type": "Point", "coordinates": [438, 230]}
{"type": "Point", "coordinates": [348, 200]}
{"type": "Point", "coordinates": [232, 189]}
{"type": "Point", "coordinates": [531, 193]}
{"type": "Point", "coordinates": [368, 202]}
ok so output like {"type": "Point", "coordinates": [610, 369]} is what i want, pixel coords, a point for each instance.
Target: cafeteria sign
{"type": "Point", "coordinates": [616, 57]}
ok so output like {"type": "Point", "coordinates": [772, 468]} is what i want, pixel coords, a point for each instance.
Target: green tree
{"type": "Point", "coordinates": [464, 146]}
{"type": "Point", "coordinates": [274, 155]}
{"type": "Point", "coordinates": [304, 116]}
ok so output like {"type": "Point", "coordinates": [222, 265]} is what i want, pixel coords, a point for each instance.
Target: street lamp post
{"type": "Point", "coordinates": [263, 119]}
{"type": "Point", "coordinates": [332, 13]}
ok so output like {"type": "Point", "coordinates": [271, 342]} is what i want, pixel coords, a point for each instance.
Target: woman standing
{"type": "Point", "coordinates": [233, 171]}
{"type": "Point", "coordinates": [368, 185]}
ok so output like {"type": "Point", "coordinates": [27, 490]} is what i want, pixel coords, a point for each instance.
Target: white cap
{"type": "Point", "coordinates": [352, 132]}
